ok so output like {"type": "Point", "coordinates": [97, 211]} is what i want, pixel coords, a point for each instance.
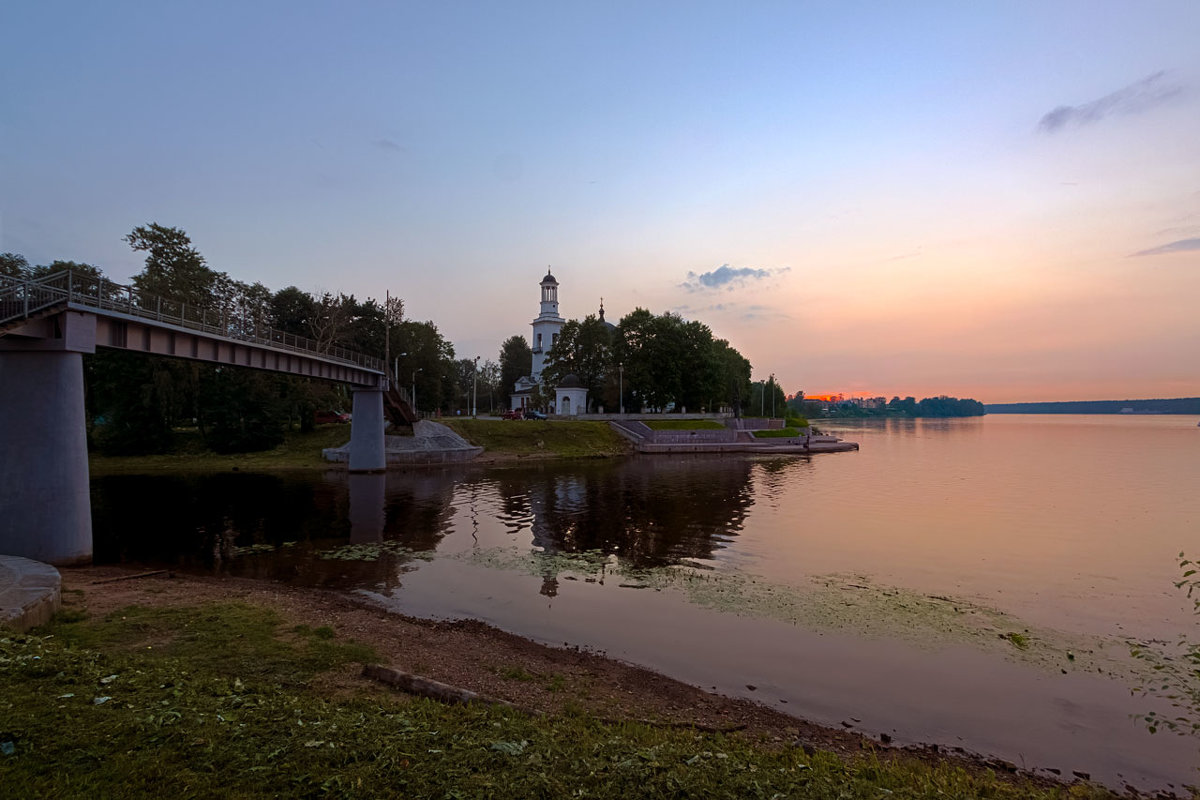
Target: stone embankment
{"type": "Point", "coordinates": [431, 443]}
{"type": "Point", "coordinates": [30, 592]}
{"type": "Point", "coordinates": [729, 440]}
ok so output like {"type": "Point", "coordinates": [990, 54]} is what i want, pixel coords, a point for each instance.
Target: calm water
{"type": "Point", "coordinates": [1068, 524]}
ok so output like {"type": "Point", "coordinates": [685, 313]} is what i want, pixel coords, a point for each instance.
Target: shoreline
{"type": "Point", "coordinates": [475, 656]}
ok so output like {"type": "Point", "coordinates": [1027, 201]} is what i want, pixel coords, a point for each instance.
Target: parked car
{"type": "Point", "coordinates": [531, 414]}
{"type": "Point", "coordinates": [327, 416]}
{"type": "Point", "coordinates": [514, 414]}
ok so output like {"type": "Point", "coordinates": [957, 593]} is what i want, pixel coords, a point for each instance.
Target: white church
{"type": "Point", "coordinates": [570, 396]}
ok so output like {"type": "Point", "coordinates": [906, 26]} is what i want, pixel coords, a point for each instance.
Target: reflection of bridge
{"type": "Point", "coordinates": [47, 324]}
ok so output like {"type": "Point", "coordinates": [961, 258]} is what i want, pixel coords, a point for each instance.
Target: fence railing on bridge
{"type": "Point", "coordinates": [29, 299]}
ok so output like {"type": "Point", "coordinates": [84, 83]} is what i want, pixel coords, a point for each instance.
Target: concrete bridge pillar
{"type": "Point", "coordinates": [366, 432]}
{"type": "Point", "coordinates": [45, 506]}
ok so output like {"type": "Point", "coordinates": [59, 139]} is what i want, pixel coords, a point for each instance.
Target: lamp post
{"type": "Point", "coordinates": [474, 388]}
{"type": "Point", "coordinates": [621, 386]}
{"type": "Point", "coordinates": [396, 368]}
{"type": "Point", "coordinates": [772, 395]}
{"type": "Point", "coordinates": [414, 390]}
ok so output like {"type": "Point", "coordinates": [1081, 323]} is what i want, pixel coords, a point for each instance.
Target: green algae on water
{"type": "Point", "coordinates": [845, 603]}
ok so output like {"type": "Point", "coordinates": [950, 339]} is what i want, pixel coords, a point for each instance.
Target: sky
{"type": "Point", "coordinates": [998, 200]}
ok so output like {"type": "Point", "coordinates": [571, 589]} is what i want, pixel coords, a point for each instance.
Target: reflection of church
{"type": "Point", "coordinates": [570, 396]}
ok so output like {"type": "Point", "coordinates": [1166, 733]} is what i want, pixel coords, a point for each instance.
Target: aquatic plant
{"type": "Point", "coordinates": [1175, 666]}
{"type": "Point", "coordinates": [371, 551]}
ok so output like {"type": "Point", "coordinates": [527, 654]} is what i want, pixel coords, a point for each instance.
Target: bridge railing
{"type": "Point", "coordinates": [21, 299]}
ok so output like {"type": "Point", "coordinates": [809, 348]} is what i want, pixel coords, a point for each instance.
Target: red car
{"type": "Point", "coordinates": [323, 417]}
{"type": "Point", "coordinates": [512, 414]}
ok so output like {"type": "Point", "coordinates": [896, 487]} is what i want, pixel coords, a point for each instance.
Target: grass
{"type": "Point", "coordinates": [684, 425]}
{"type": "Point", "coordinates": [298, 451]}
{"type": "Point", "coordinates": [777, 433]}
{"type": "Point", "coordinates": [570, 439]}
{"type": "Point", "coordinates": [224, 700]}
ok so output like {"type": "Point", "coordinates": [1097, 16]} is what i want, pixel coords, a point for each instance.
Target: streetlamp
{"type": "Point", "coordinates": [474, 388]}
{"type": "Point", "coordinates": [621, 386]}
{"type": "Point", "coordinates": [772, 395]}
{"type": "Point", "coordinates": [414, 390]}
{"type": "Point", "coordinates": [396, 369]}
{"type": "Point", "coordinates": [762, 398]}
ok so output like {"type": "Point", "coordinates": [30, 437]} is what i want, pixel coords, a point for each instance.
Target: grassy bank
{"type": "Point", "coordinates": [566, 439]}
{"type": "Point", "coordinates": [230, 699]}
{"type": "Point", "coordinates": [683, 425]}
{"type": "Point", "coordinates": [778, 433]}
{"type": "Point", "coordinates": [298, 451]}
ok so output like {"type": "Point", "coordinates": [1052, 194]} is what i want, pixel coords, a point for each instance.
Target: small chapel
{"type": "Point", "coordinates": [570, 396]}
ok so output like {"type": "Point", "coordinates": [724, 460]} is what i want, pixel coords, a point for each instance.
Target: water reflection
{"type": "Point", "coordinates": [649, 512]}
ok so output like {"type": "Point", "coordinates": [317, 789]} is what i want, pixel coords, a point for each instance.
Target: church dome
{"type": "Point", "coordinates": [549, 278]}
{"type": "Point", "coordinates": [570, 381]}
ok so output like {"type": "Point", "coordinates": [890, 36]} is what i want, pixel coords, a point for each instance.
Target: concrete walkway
{"type": "Point", "coordinates": [29, 592]}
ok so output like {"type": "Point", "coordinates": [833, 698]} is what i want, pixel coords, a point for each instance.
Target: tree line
{"type": "Point", "coordinates": [136, 403]}
{"type": "Point", "coordinates": [645, 362]}
{"type": "Point", "coordinates": [941, 406]}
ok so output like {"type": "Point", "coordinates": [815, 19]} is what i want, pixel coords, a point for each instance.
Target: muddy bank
{"type": "Point", "coordinates": [476, 657]}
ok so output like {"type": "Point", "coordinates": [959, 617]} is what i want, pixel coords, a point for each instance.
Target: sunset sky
{"type": "Point", "coordinates": [990, 200]}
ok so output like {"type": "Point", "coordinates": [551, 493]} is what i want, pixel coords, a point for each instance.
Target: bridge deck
{"type": "Point", "coordinates": [67, 311]}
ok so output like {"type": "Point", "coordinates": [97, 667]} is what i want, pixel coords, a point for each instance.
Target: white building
{"type": "Point", "coordinates": [546, 327]}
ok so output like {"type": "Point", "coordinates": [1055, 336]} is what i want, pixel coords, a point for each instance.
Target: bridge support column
{"type": "Point", "coordinates": [366, 432]}
{"type": "Point", "coordinates": [45, 505]}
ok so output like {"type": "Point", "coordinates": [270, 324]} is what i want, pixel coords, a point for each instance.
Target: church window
{"type": "Point", "coordinates": [539, 342]}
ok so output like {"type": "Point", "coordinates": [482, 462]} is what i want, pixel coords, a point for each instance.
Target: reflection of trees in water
{"type": "Point", "coordinates": [420, 507]}
{"type": "Point", "coordinates": [207, 522]}
{"type": "Point", "coordinates": [649, 511]}
{"type": "Point", "coordinates": [183, 520]}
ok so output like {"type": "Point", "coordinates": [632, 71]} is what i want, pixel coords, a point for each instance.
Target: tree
{"type": "Point", "coordinates": [429, 364]}
{"type": "Point", "coordinates": [583, 349]}
{"type": "Point", "coordinates": [242, 410]}
{"type": "Point", "coordinates": [767, 398]}
{"type": "Point", "coordinates": [464, 379]}
{"type": "Point", "coordinates": [331, 318]}
{"type": "Point", "coordinates": [174, 268]}
{"type": "Point", "coordinates": [489, 384]}
{"type": "Point", "coordinates": [293, 311]}
{"type": "Point", "coordinates": [516, 360]}
{"type": "Point", "coordinates": [733, 371]}
{"type": "Point", "coordinates": [14, 265]}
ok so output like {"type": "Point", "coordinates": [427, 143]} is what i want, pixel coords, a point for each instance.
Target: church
{"type": "Point", "coordinates": [570, 396]}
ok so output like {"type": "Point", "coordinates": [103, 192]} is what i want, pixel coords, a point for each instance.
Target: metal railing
{"type": "Point", "coordinates": [23, 299]}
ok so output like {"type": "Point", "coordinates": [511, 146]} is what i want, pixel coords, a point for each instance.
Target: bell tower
{"type": "Point", "coordinates": [546, 326]}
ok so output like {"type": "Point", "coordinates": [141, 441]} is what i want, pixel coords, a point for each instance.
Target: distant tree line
{"type": "Point", "coordinates": [137, 402]}
{"type": "Point", "coordinates": [1176, 405]}
{"type": "Point", "coordinates": [657, 361]}
{"type": "Point", "coordinates": [941, 406]}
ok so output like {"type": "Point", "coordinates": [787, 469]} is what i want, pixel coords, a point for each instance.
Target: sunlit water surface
{"type": "Point", "coordinates": [1069, 525]}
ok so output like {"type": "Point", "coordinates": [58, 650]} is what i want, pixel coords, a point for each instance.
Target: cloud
{"type": "Point", "coordinates": [1181, 246]}
{"type": "Point", "coordinates": [749, 313]}
{"type": "Point", "coordinates": [727, 277]}
{"type": "Point", "coordinates": [388, 144]}
{"type": "Point", "coordinates": [1135, 98]}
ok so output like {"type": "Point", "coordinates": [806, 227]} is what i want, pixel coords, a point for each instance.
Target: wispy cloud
{"type": "Point", "coordinates": [727, 278]}
{"type": "Point", "coordinates": [748, 313]}
{"type": "Point", "coordinates": [1148, 93]}
{"type": "Point", "coordinates": [1180, 246]}
{"type": "Point", "coordinates": [388, 144]}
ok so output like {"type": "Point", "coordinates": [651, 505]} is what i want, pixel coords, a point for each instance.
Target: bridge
{"type": "Point", "coordinates": [48, 323]}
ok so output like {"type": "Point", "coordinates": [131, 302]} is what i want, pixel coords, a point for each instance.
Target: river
{"type": "Point", "coordinates": [967, 583]}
